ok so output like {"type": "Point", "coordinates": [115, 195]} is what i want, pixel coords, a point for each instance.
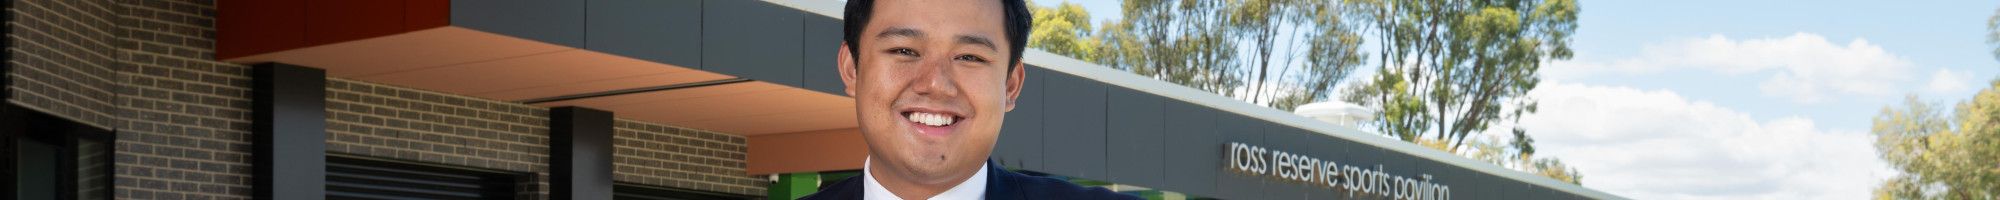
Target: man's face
{"type": "Point", "coordinates": [931, 85]}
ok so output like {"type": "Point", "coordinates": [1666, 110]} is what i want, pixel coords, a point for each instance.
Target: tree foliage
{"type": "Point", "coordinates": [1941, 156]}
{"type": "Point", "coordinates": [1276, 53]}
{"type": "Point", "coordinates": [1512, 155]}
{"type": "Point", "coordinates": [1182, 42]}
{"type": "Point", "coordinates": [1296, 49]}
{"type": "Point", "coordinates": [1451, 68]}
{"type": "Point", "coordinates": [1993, 32]}
{"type": "Point", "coordinates": [1446, 68]}
{"type": "Point", "coordinates": [1064, 30]}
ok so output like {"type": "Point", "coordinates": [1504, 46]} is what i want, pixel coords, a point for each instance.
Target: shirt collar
{"type": "Point", "coordinates": [972, 188]}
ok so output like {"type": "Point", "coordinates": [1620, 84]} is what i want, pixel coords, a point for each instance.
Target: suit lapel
{"type": "Point", "coordinates": [1000, 182]}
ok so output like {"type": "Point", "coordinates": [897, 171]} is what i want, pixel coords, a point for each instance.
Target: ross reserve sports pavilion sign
{"type": "Point", "coordinates": [1355, 179]}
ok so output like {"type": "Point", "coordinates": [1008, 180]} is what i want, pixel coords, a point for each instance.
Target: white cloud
{"type": "Point", "coordinates": [1660, 145]}
{"type": "Point", "coordinates": [1948, 81]}
{"type": "Point", "coordinates": [1804, 67]}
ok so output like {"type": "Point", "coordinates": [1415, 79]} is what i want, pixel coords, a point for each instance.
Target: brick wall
{"type": "Point", "coordinates": [141, 68]}
{"type": "Point", "coordinates": [187, 129]}
{"type": "Point", "coordinates": [655, 154]}
{"type": "Point", "coordinates": [145, 69]}
{"type": "Point", "coordinates": [392, 122]}
{"type": "Point", "coordinates": [186, 117]}
{"type": "Point", "coordinates": [62, 58]}
{"type": "Point", "coordinates": [404, 124]}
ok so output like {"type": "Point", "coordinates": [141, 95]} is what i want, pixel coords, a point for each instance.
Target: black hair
{"type": "Point", "coordinates": [1015, 11]}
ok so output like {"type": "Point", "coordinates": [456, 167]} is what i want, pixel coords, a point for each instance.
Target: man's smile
{"type": "Point", "coordinates": [931, 122]}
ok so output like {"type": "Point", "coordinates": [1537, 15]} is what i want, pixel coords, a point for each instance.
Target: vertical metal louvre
{"type": "Point", "coordinates": [350, 178]}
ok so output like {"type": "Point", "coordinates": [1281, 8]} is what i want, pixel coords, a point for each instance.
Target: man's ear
{"type": "Point", "coordinates": [846, 65]}
{"type": "Point", "coordinates": [1015, 77]}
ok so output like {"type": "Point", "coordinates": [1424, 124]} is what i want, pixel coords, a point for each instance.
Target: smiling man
{"type": "Point", "coordinates": [932, 81]}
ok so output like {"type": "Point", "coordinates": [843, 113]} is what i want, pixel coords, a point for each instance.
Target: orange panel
{"type": "Point", "coordinates": [669, 95]}
{"type": "Point", "coordinates": [688, 76]}
{"type": "Point", "coordinates": [340, 21]}
{"type": "Point", "coordinates": [548, 69]}
{"type": "Point", "coordinates": [250, 27]}
{"type": "Point", "coordinates": [842, 117]}
{"type": "Point", "coordinates": [736, 105]}
{"type": "Point", "coordinates": [425, 14]}
{"type": "Point", "coordinates": [426, 48]}
{"type": "Point", "coordinates": [810, 151]}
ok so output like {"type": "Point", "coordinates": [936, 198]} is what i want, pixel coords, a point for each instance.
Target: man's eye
{"type": "Point", "coordinates": [903, 51]}
{"type": "Point", "coordinates": [971, 58]}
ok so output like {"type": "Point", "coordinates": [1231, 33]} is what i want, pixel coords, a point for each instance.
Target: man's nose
{"type": "Point", "coordinates": [934, 78]}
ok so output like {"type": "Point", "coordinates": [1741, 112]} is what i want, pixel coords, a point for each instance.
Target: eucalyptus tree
{"type": "Point", "coordinates": [1452, 68]}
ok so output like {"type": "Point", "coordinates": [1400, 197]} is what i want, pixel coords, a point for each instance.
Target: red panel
{"type": "Point", "coordinates": [250, 27]}
{"type": "Point", "coordinates": [332, 21]}
{"type": "Point", "coordinates": [426, 14]}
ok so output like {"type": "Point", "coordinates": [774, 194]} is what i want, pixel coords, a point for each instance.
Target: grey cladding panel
{"type": "Point", "coordinates": [555, 22]}
{"type": "Point", "coordinates": [580, 145]}
{"type": "Point", "coordinates": [1570, 195]}
{"type": "Point", "coordinates": [752, 39]}
{"type": "Point", "coordinates": [1453, 177]}
{"type": "Point", "coordinates": [1460, 180]}
{"type": "Point", "coordinates": [1194, 147]}
{"type": "Point", "coordinates": [288, 117]}
{"type": "Point", "coordinates": [1534, 192]}
{"type": "Point", "coordinates": [1239, 128]}
{"type": "Point", "coordinates": [1479, 185]}
{"type": "Point", "coordinates": [818, 55]}
{"type": "Point", "coordinates": [1290, 140]}
{"type": "Point", "coordinates": [1437, 170]}
{"type": "Point", "coordinates": [1326, 149]}
{"type": "Point", "coordinates": [1020, 144]}
{"type": "Point", "coordinates": [659, 31]}
{"type": "Point", "coordinates": [1397, 164]}
{"type": "Point", "coordinates": [1135, 135]}
{"type": "Point", "coordinates": [1073, 132]}
{"type": "Point", "coordinates": [1362, 156]}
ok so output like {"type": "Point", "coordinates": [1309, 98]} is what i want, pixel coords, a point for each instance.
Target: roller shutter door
{"type": "Point", "coordinates": [626, 191]}
{"type": "Point", "coordinates": [352, 178]}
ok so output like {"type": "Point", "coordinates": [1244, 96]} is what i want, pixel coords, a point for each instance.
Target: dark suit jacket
{"type": "Point", "coordinates": [1000, 185]}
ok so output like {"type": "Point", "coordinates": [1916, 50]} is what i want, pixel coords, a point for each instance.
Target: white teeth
{"type": "Point", "coordinates": [931, 119]}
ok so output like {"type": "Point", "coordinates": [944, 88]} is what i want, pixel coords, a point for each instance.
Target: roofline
{"type": "Point", "coordinates": [1092, 71]}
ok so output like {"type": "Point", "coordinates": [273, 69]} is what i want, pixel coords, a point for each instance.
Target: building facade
{"type": "Point", "coordinates": [179, 123]}
{"type": "Point", "coordinates": [594, 99]}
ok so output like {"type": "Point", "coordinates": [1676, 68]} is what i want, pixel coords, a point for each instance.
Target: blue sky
{"type": "Point", "coordinates": [1744, 99]}
{"type": "Point", "coordinates": [1931, 34]}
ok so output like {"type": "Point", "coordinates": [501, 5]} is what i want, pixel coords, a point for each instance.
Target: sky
{"type": "Point", "coordinates": [1743, 99]}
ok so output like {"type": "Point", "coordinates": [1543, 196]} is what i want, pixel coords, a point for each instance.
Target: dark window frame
{"type": "Point", "coordinates": [18, 124]}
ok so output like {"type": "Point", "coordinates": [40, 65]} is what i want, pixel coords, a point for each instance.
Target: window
{"type": "Point", "coordinates": [46, 157]}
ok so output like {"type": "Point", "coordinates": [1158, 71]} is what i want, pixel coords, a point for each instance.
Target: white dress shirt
{"type": "Point", "coordinates": [972, 188]}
